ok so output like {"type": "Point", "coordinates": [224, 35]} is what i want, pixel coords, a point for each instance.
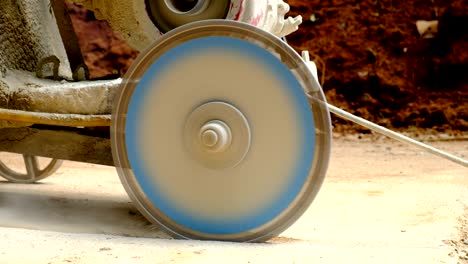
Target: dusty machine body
{"type": "Point", "coordinates": [42, 68]}
{"type": "Point", "coordinates": [219, 130]}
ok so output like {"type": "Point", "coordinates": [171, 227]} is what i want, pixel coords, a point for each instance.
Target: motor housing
{"type": "Point", "coordinates": [141, 22]}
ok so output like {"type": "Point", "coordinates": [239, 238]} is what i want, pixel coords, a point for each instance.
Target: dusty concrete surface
{"type": "Point", "coordinates": [382, 202]}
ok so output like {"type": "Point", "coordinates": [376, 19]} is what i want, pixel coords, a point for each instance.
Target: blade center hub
{"type": "Point", "coordinates": [217, 135]}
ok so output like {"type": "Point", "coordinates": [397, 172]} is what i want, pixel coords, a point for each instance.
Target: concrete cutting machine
{"type": "Point", "coordinates": [219, 130]}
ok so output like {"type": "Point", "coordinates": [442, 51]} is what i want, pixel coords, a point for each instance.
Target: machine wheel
{"type": "Point", "coordinates": [213, 136]}
{"type": "Point", "coordinates": [33, 171]}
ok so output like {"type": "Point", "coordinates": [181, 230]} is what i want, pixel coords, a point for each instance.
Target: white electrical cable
{"type": "Point", "coordinates": [389, 133]}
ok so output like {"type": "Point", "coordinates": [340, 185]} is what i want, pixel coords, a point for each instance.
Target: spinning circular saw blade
{"type": "Point", "coordinates": [213, 135]}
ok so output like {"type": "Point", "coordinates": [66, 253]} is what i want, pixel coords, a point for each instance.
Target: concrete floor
{"type": "Point", "coordinates": [382, 202]}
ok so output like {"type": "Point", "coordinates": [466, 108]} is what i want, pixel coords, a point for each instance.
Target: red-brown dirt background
{"type": "Point", "coordinates": [371, 59]}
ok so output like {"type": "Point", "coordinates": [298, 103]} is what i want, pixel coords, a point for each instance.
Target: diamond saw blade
{"type": "Point", "coordinates": [213, 136]}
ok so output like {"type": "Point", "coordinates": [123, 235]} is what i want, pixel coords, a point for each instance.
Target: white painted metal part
{"type": "Point", "coordinates": [310, 64]}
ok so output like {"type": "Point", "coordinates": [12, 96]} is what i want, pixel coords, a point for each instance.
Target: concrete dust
{"type": "Point", "coordinates": [68, 207]}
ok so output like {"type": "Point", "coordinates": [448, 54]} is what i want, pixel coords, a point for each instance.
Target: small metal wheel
{"type": "Point", "coordinates": [169, 14]}
{"type": "Point", "coordinates": [213, 136]}
{"type": "Point", "coordinates": [33, 171]}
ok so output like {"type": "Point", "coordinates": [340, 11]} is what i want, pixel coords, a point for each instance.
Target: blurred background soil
{"type": "Point", "coordinates": [372, 60]}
